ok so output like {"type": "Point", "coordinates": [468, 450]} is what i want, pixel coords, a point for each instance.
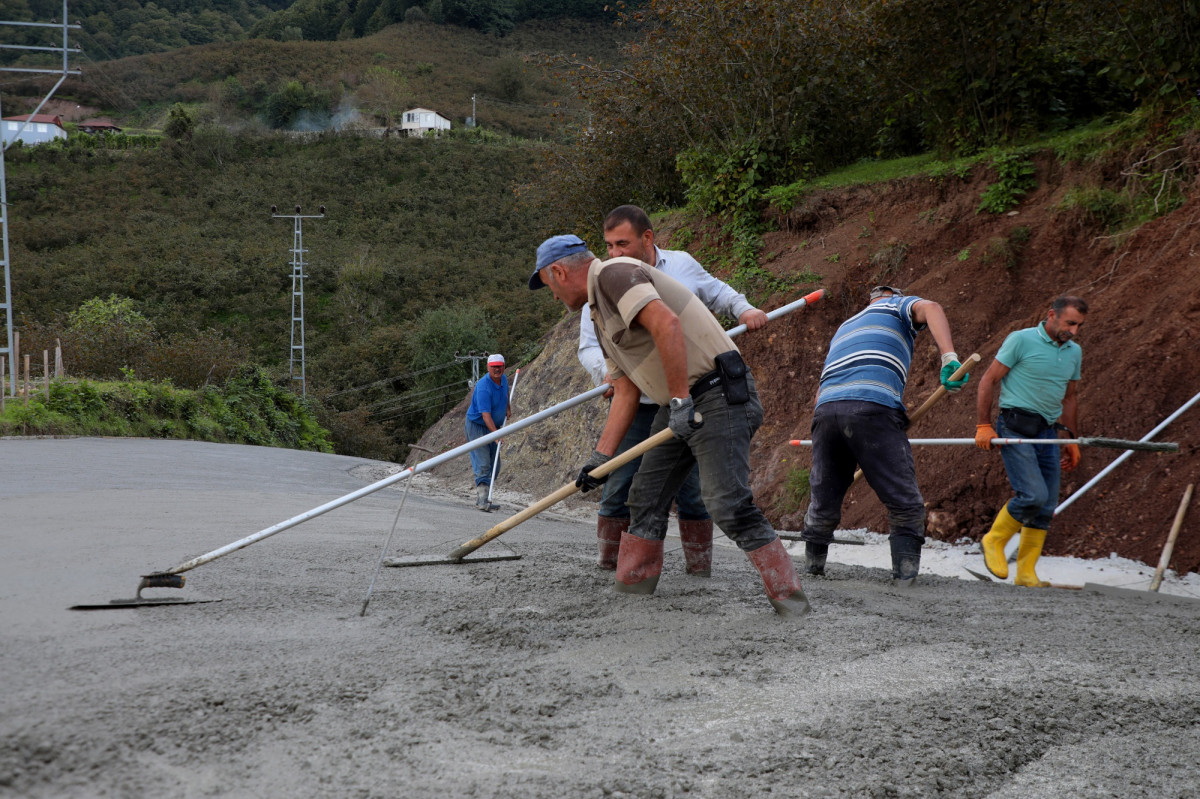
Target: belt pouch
{"type": "Point", "coordinates": [1025, 424]}
{"type": "Point", "coordinates": [733, 377]}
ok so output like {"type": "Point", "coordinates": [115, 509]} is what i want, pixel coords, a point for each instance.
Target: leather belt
{"type": "Point", "coordinates": [706, 382]}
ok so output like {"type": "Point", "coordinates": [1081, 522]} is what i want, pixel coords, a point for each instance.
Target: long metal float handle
{"type": "Point", "coordinates": [1109, 443]}
{"type": "Point", "coordinates": [1179, 412]}
{"type": "Point", "coordinates": [421, 467]}
{"type": "Point", "coordinates": [437, 460]}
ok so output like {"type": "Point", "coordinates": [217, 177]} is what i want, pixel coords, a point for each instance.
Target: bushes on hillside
{"type": "Point", "coordinates": [743, 96]}
{"type": "Point", "coordinates": [109, 338]}
{"type": "Point", "coordinates": [247, 409]}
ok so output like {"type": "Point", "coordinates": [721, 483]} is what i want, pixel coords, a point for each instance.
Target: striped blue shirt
{"type": "Point", "coordinates": [870, 354]}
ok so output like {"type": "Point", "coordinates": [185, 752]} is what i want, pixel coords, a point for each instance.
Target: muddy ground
{"type": "Point", "coordinates": [530, 678]}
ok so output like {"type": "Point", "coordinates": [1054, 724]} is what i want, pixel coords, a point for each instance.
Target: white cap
{"type": "Point", "coordinates": [497, 358]}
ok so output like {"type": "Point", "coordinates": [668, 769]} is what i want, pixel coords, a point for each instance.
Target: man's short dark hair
{"type": "Point", "coordinates": [632, 214]}
{"type": "Point", "coordinates": [1069, 301]}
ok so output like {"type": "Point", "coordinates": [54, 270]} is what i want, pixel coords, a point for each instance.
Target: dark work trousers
{"type": "Point", "coordinates": [614, 500]}
{"type": "Point", "coordinates": [855, 433]}
{"type": "Point", "coordinates": [721, 447]}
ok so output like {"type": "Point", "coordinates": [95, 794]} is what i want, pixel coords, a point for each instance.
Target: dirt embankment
{"type": "Point", "coordinates": [993, 274]}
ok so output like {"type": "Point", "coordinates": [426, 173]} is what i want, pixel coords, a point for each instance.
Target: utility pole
{"type": "Point", "coordinates": [6, 303]}
{"type": "Point", "coordinates": [296, 352]}
{"type": "Point", "coordinates": [474, 358]}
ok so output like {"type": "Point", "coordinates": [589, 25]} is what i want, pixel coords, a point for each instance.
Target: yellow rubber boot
{"type": "Point", "coordinates": [1004, 528]}
{"type": "Point", "coordinates": [1028, 552]}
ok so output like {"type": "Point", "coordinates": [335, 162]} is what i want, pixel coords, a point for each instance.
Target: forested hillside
{"type": "Point", "coordinates": [114, 29]}
{"type": "Point", "coordinates": [421, 253]}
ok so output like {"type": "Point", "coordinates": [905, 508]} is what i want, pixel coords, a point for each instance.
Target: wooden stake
{"type": "Point", "coordinates": [25, 385]}
{"type": "Point", "coordinates": [1165, 560]}
{"type": "Point", "coordinates": [58, 367]}
{"type": "Point", "coordinates": [46, 370]}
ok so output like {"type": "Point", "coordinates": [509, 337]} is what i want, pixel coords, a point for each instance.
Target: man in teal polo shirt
{"type": "Point", "coordinates": [1037, 370]}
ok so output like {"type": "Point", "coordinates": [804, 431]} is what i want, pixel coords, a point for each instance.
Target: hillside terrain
{"type": "Point", "coordinates": [993, 274]}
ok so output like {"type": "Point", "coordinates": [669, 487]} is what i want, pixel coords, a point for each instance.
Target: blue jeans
{"type": "Point", "coordinates": [721, 449]}
{"type": "Point", "coordinates": [873, 437]}
{"type": "Point", "coordinates": [614, 500]}
{"type": "Point", "coordinates": [1034, 472]}
{"type": "Point", "coordinates": [482, 457]}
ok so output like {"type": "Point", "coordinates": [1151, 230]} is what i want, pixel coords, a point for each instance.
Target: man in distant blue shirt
{"type": "Point", "coordinates": [1036, 371]}
{"type": "Point", "coordinates": [489, 404]}
{"type": "Point", "coordinates": [860, 421]}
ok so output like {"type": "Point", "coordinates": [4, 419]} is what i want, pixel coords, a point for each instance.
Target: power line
{"type": "Point", "coordinates": [383, 380]}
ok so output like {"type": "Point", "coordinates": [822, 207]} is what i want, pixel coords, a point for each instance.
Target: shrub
{"type": "Point", "coordinates": [1016, 175]}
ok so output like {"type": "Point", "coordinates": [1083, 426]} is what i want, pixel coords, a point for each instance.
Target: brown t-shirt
{"type": "Point", "coordinates": [620, 288]}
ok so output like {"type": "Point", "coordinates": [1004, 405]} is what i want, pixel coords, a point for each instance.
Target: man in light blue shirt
{"type": "Point", "coordinates": [628, 233]}
{"type": "Point", "coordinates": [1036, 370]}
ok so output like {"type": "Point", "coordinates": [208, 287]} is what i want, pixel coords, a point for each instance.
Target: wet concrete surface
{"type": "Point", "coordinates": [530, 677]}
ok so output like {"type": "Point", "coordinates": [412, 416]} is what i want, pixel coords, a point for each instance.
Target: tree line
{"type": "Point", "coordinates": [716, 100]}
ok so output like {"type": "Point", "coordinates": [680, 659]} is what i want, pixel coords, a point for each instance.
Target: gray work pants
{"type": "Point", "coordinates": [721, 447]}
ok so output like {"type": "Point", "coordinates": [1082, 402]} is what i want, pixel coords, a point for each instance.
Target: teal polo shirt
{"type": "Point", "coordinates": [1039, 371]}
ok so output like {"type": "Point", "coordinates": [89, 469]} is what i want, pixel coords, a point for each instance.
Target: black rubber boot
{"type": "Point", "coordinates": [814, 558]}
{"type": "Point", "coordinates": [906, 560]}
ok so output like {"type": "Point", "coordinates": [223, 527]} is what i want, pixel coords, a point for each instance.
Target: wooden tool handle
{"type": "Point", "coordinates": [617, 462]}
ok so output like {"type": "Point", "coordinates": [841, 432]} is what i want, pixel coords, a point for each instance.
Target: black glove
{"type": "Point", "coordinates": [585, 482]}
{"type": "Point", "coordinates": [683, 420]}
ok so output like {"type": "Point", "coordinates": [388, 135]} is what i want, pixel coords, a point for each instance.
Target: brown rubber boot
{"type": "Point", "coordinates": [1028, 551]}
{"type": "Point", "coordinates": [1004, 528]}
{"type": "Point", "coordinates": [697, 537]}
{"type": "Point", "coordinates": [780, 580]}
{"type": "Point", "coordinates": [638, 565]}
{"type": "Point", "coordinates": [608, 536]}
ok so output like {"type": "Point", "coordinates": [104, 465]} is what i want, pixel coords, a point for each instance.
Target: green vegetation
{"type": "Point", "coordinates": [795, 491]}
{"type": "Point", "coordinates": [1007, 249]}
{"type": "Point", "coordinates": [746, 97]}
{"type": "Point", "coordinates": [1017, 176]}
{"type": "Point", "coordinates": [184, 233]}
{"type": "Point", "coordinates": [247, 409]}
{"type": "Point", "coordinates": [113, 29]}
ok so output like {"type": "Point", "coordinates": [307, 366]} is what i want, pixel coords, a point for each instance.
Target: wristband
{"type": "Point", "coordinates": [948, 357]}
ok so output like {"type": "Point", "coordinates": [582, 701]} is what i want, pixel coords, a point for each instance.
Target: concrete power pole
{"type": "Point", "coordinates": [296, 352]}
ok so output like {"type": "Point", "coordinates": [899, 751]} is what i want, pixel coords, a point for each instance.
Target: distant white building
{"type": "Point", "coordinates": [420, 121]}
{"type": "Point", "coordinates": [39, 128]}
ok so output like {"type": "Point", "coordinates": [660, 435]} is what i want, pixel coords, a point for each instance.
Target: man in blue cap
{"type": "Point", "coordinates": [659, 339]}
{"type": "Point", "coordinates": [628, 232]}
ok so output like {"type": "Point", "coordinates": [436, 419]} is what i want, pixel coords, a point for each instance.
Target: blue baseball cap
{"type": "Point", "coordinates": [555, 249]}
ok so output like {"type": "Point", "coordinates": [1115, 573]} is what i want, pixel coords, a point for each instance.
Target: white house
{"type": "Point", "coordinates": [420, 121]}
{"type": "Point", "coordinates": [39, 128]}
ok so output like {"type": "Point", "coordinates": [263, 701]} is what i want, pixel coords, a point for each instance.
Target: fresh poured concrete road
{"type": "Point", "coordinates": [529, 678]}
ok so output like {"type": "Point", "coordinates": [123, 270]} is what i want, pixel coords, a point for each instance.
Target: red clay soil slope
{"type": "Point", "coordinates": [995, 274]}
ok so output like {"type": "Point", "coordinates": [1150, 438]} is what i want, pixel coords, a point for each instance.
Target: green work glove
{"type": "Point", "coordinates": [948, 369]}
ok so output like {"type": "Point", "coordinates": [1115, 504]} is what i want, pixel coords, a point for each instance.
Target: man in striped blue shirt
{"type": "Point", "coordinates": [860, 421]}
